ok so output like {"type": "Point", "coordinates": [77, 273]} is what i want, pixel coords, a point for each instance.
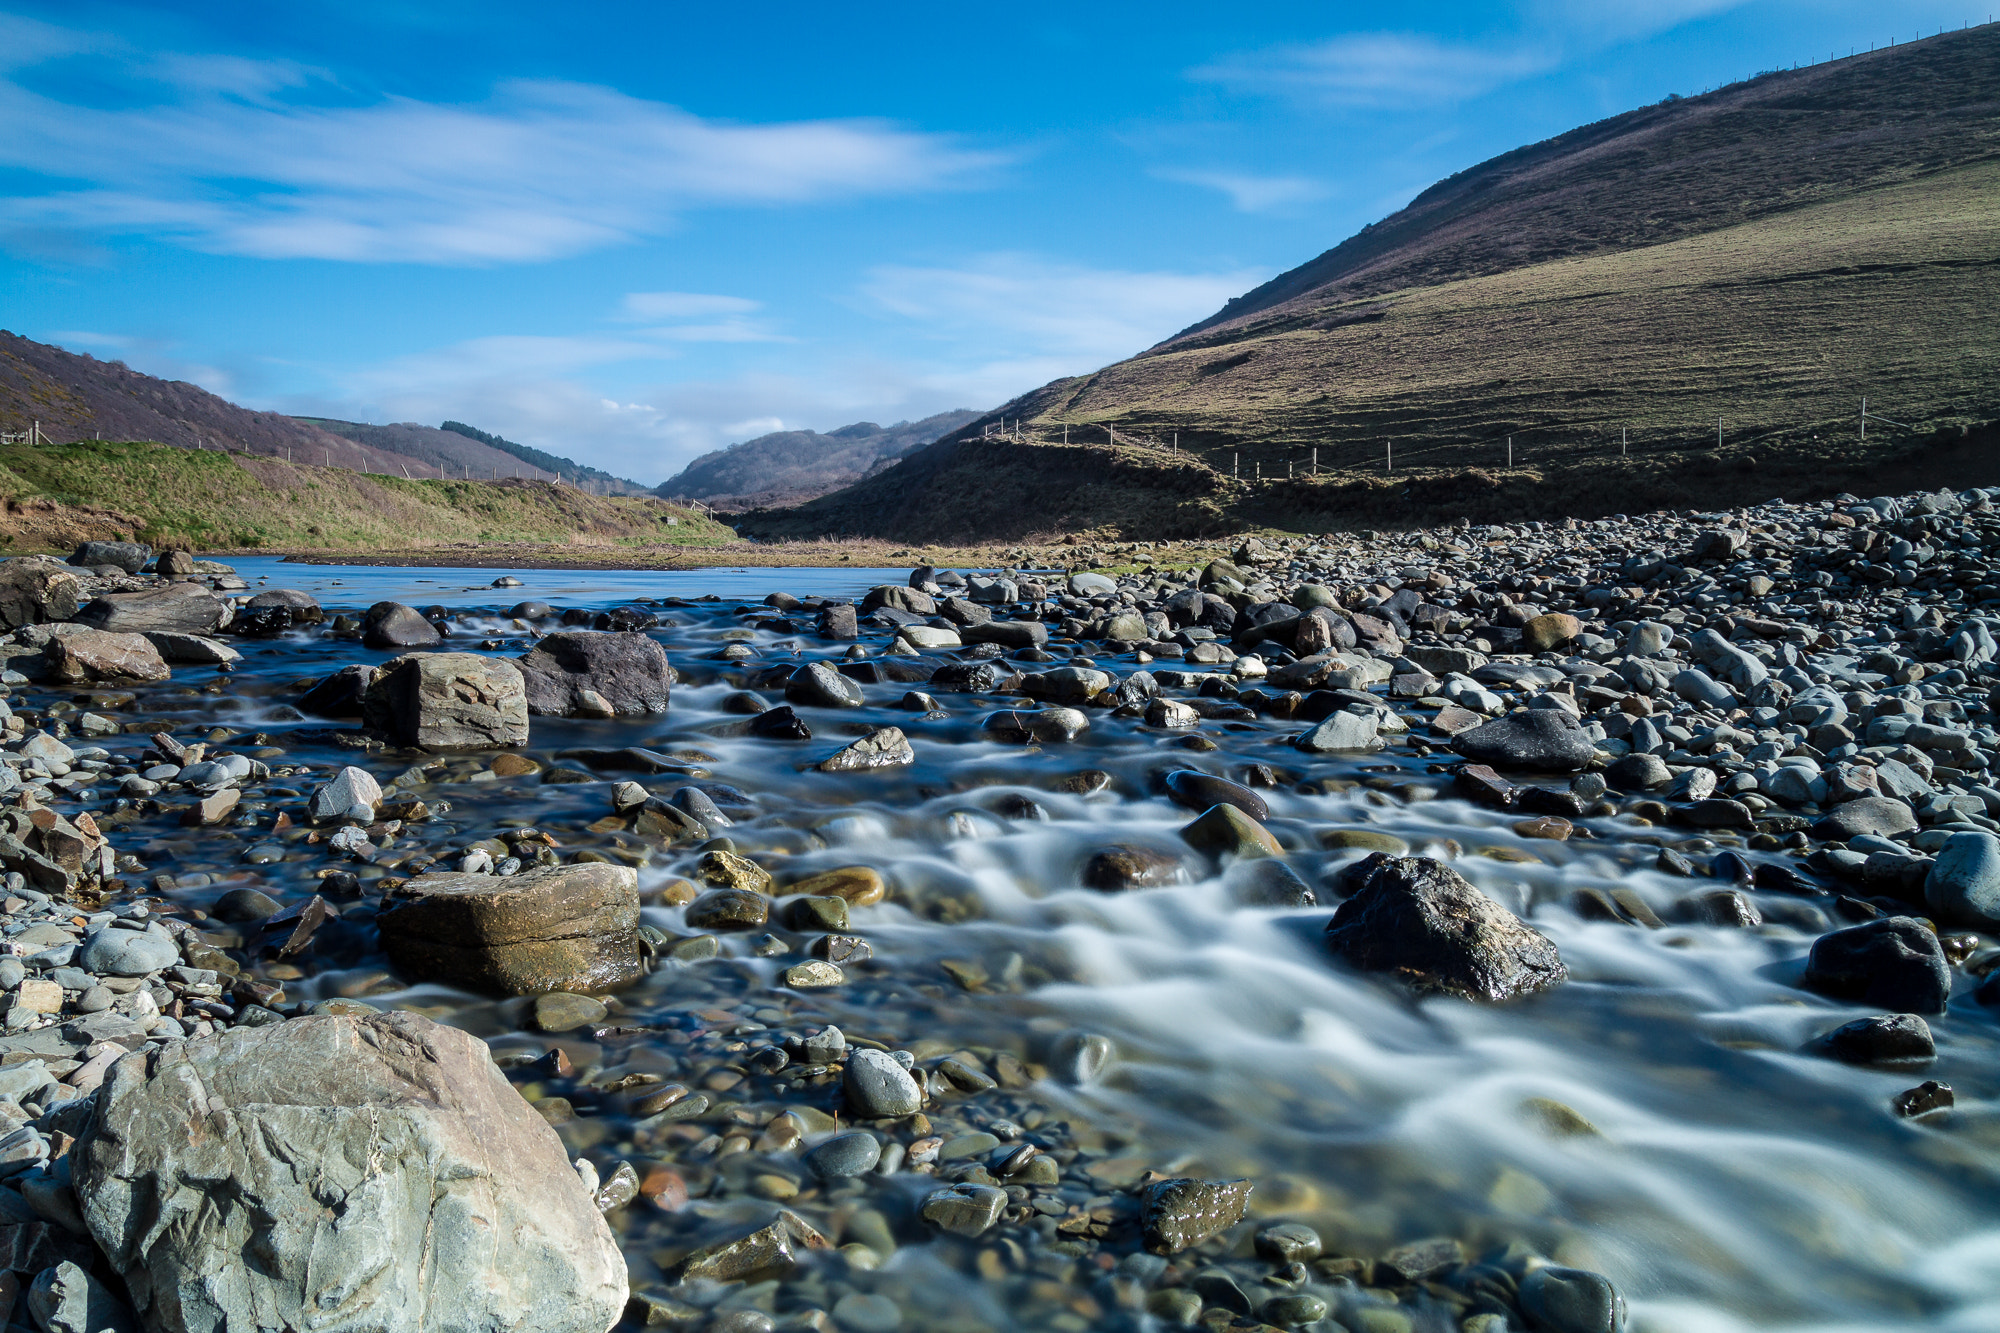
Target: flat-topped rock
{"type": "Point", "coordinates": [553, 928]}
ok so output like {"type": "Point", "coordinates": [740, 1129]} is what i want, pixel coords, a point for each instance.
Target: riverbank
{"type": "Point", "coordinates": [906, 947]}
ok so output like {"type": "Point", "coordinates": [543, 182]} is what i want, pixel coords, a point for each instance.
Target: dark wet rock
{"type": "Point", "coordinates": [1928, 1096]}
{"type": "Point", "coordinates": [184, 608]}
{"type": "Point", "coordinates": [128, 556]}
{"type": "Point", "coordinates": [1289, 1243]}
{"type": "Point", "coordinates": [1570, 1300]}
{"type": "Point", "coordinates": [274, 611]}
{"type": "Point", "coordinates": [1049, 726]}
{"type": "Point", "coordinates": [1420, 921]}
{"type": "Point", "coordinates": [1891, 963]}
{"type": "Point", "coordinates": [1638, 772]}
{"type": "Point", "coordinates": [1174, 1214]}
{"type": "Point", "coordinates": [394, 625]}
{"type": "Point", "coordinates": [1882, 1039]}
{"type": "Point", "coordinates": [1268, 882]}
{"type": "Point", "coordinates": [838, 620]}
{"type": "Point", "coordinates": [66, 1299]}
{"type": "Point", "coordinates": [624, 620]}
{"type": "Point", "coordinates": [1717, 812]}
{"type": "Point", "coordinates": [1883, 816]}
{"type": "Point", "coordinates": [1192, 789]}
{"type": "Point", "coordinates": [771, 1251]}
{"type": "Point", "coordinates": [729, 909]}
{"type": "Point", "coordinates": [1547, 740]}
{"type": "Point", "coordinates": [592, 673]}
{"type": "Point", "coordinates": [407, 1165]}
{"type": "Point", "coordinates": [1481, 785]}
{"type": "Point", "coordinates": [1007, 633]}
{"type": "Point", "coordinates": [1131, 866]}
{"type": "Point", "coordinates": [1224, 830]}
{"type": "Point", "coordinates": [242, 906]}
{"type": "Point", "coordinates": [879, 1088]}
{"type": "Point", "coordinates": [818, 685]}
{"type": "Point", "coordinates": [34, 591]}
{"type": "Point", "coordinates": [447, 701]}
{"type": "Point", "coordinates": [780, 724]}
{"type": "Point", "coordinates": [531, 611]}
{"type": "Point", "coordinates": [1723, 907]}
{"type": "Point", "coordinates": [550, 928]}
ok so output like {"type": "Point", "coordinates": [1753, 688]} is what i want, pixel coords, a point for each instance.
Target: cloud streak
{"type": "Point", "coordinates": [269, 160]}
{"type": "Point", "coordinates": [1377, 70]}
{"type": "Point", "coordinates": [1251, 193]}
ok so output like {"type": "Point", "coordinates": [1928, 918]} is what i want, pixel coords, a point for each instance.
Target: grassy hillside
{"type": "Point", "coordinates": [1774, 320]}
{"type": "Point", "coordinates": [791, 466]}
{"type": "Point", "coordinates": [59, 494]}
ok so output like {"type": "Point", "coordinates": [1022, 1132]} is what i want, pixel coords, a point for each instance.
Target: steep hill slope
{"type": "Point", "coordinates": [792, 466]}
{"type": "Point", "coordinates": [1733, 272]}
{"type": "Point", "coordinates": [52, 496]}
{"type": "Point", "coordinates": [564, 469]}
{"type": "Point", "coordinates": [77, 397]}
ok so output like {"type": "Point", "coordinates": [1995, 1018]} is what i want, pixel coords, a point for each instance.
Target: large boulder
{"type": "Point", "coordinates": [447, 701]}
{"type": "Point", "coordinates": [554, 928]}
{"type": "Point", "coordinates": [128, 556]}
{"type": "Point", "coordinates": [1547, 740]}
{"type": "Point", "coordinates": [91, 655]}
{"type": "Point", "coordinates": [1892, 962]}
{"type": "Point", "coordinates": [1963, 886]}
{"type": "Point", "coordinates": [1419, 920]}
{"type": "Point", "coordinates": [596, 673]}
{"type": "Point", "coordinates": [181, 608]}
{"type": "Point", "coordinates": [328, 1172]}
{"type": "Point", "coordinates": [33, 591]}
{"type": "Point", "coordinates": [276, 610]}
{"type": "Point", "coordinates": [394, 625]}
{"type": "Point", "coordinates": [339, 695]}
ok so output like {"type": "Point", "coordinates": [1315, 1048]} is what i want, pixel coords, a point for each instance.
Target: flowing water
{"type": "Point", "coordinates": [1655, 1119]}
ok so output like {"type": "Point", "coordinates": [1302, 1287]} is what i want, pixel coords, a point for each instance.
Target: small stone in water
{"type": "Point", "coordinates": [1289, 1243]}
{"type": "Point", "coordinates": [1926, 1097]}
{"type": "Point", "coordinates": [879, 1088]}
{"type": "Point", "coordinates": [729, 909]}
{"type": "Point", "coordinates": [1569, 1300]}
{"type": "Point", "coordinates": [965, 1209]}
{"type": "Point", "coordinates": [850, 1154]}
{"type": "Point", "coordinates": [814, 975]}
{"type": "Point", "coordinates": [859, 885]}
{"type": "Point", "coordinates": [1884, 1038]}
{"type": "Point", "coordinates": [1174, 1214]}
{"type": "Point", "coordinates": [866, 1312]}
{"type": "Point", "coordinates": [561, 1011]}
{"type": "Point", "coordinates": [1079, 1058]}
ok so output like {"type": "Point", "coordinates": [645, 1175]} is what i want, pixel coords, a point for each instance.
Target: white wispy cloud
{"type": "Point", "coordinates": [1378, 70]}
{"type": "Point", "coordinates": [1042, 309]}
{"type": "Point", "coordinates": [1252, 193]}
{"type": "Point", "coordinates": [272, 160]}
{"type": "Point", "coordinates": [970, 335]}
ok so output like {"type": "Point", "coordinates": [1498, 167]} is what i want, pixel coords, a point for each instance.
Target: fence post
{"type": "Point", "coordinates": [1388, 455]}
{"type": "Point", "coordinates": [1718, 432]}
{"type": "Point", "coordinates": [1621, 440]}
{"type": "Point", "coordinates": [1864, 421]}
{"type": "Point", "coordinates": [1235, 464]}
{"type": "Point", "coordinates": [1315, 460]}
{"type": "Point", "coordinates": [1510, 451]}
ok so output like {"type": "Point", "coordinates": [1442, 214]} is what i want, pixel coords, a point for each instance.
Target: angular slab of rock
{"type": "Point", "coordinates": [33, 591]}
{"type": "Point", "coordinates": [768, 1252]}
{"type": "Point", "coordinates": [276, 610]}
{"type": "Point", "coordinates": [1420, 921]}
{"type": "Point", "coordinates": [1547, 740]}
{"type": "Point", "coordinates": [629, 672]}
{"type": "Point", "coordinates": [87, 655]}
{"type": "Point", "coordinates": [339, 695]}
{"type": "Point", "coordinates": [193, 649]}
{"type": "Point", "coordinates": [553, 928]}
{"type": "Point", "coordinates": [184, 608]}
{"type": "Point", "coordinates": [885, 747]}
{"type": "Point", "coordinates": [1007, 633]}
{"type": "Point", "coordinates": [347, 1172]}
{"type": "Point", "coordinates": [1341, 732]}
{"type": "Point", "coordinates": [1883, 816]}
{"type": "Point", "coordinates": [1174, 1214]}
{"type": "Point", "coordinates": [447, 701]}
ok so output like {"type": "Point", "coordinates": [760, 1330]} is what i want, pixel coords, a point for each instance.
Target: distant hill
{"type": "Point", "coordinates": [569, 469]}
{"type": "Point", "coordinates": [1711, 283]}
{"type": "Point", "coordinates": [792, 466]}
{"type": "Point", "coordinates": [77, 397]}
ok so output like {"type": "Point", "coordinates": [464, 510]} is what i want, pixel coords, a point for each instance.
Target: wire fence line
{"type": "Point", "coordinates": [1502, 447]}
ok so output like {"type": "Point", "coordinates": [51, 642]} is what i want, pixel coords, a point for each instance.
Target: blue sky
{"type": "Point", "coordinates": [634, 233]}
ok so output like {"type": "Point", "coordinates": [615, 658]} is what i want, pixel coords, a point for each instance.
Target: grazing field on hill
{"type": "Point", "coordinates": [58, 494]}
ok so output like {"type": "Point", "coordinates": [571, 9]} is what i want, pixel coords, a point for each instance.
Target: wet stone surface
{"type": "Point", "coordinates": [1036, 1025]}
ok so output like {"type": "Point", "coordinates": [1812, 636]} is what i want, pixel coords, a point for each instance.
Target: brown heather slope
{"type": "Point", "coordinates": [77, 397]}
{"type": "Point", "coordinates": [1764, 256]}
